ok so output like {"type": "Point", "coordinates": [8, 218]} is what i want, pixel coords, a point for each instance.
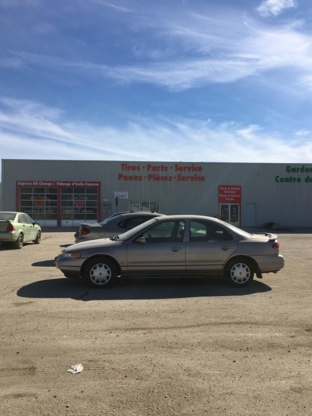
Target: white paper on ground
{"type": "Point", "coordinates": [74, 369]}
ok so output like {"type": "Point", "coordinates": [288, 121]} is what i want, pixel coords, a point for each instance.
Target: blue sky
{"type": "Point", "coordinates": [165, 80]}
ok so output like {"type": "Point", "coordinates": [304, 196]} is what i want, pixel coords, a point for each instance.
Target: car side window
{"type": "Point", "coordinates": [130, 223]}
{"type": "Point", "coordinates": [208, 231]}
{"type": "Point", "coordinates": [28, 219]}
{"type": "Point", "coordinates": [167, 231]}
{"type": "Point", "coordinates": [22, 219]}
{"type": "Point", "coordinates": [198, 231]}
{"type": "Point", "coordinates": [221, 234]}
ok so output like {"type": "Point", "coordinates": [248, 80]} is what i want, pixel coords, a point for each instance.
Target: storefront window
{"type": "Point", "coordinates": [144, 206]}
{"type": "Point", "coordinates": [59, 203]}
{"type": "Point", "coordinates": [40, 204]}
{"type": "Point", "coordinates": [154, 206]}
{"type": "Point", "coordinates": [79, 205]}
{"type": "Point", "coordinates": [134, 206]}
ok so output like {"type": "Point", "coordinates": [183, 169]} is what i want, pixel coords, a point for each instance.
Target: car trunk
{"type": "Point", "coordinates": [3, 225]}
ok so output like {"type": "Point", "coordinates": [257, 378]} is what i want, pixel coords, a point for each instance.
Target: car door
{"type": "Point", "coordinates": [162, 253]}
{"type": "Point", "coordinates": [32, 229]}
{"type": "Point", "coordinates": [24, 227]}
{"type": "Point", "coordinates": [208, 247]}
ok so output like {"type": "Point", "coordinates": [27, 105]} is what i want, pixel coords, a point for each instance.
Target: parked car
{"type": "Point", "coordinates": [174, 245]}
{"type": "Point", "coordinates": [17, 228]}
{"type": "Point", "coordinates": [115, 224]}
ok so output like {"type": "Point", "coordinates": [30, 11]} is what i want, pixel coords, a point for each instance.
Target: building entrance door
{"type": "Point", "coordinates": [230, 213]}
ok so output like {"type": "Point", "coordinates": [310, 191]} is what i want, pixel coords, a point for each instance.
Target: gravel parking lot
{"type": "Point", "coordinates": [154, 347]}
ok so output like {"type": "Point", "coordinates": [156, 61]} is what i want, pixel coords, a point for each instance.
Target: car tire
{"type": "Point", "coordinates": [38, 238]}
{"type": "Point", "coordinates": [239, 272]}
{"type": "Point", "coordinates": [19, 242]}
{"type": "Point", "coordinates": [100, 273]}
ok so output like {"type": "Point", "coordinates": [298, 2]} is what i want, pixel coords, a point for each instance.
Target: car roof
{"type": "Point", "coordinates": [190, 216]}
{"type": "Point", "coordinates": [133, 213]}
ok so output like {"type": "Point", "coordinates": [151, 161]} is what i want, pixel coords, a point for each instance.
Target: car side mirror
{"type": "Point", "coordinates": [140, 240]}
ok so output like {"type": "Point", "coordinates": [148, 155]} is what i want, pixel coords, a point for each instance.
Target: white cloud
{"type": "Point", "coordinates": [275, 7]}
{"type": "Point", "coordinates": [204, 54]}
{"type": "Point", "coordinates": [11, 62]}
{"type": "Point", "coordinates": [31, 130]}
{"type": "Point", "coordinates": [303, 133]}
{"type": "Point", "coordinates": [112, 6]}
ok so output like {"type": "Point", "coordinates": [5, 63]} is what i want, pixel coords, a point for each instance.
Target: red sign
{"type": "Point", "coordinates": [39, 200]}
{"type": "Point", "coordinates": [230, 193]}
{"type": "Point", "coordinates": [79, 201]}
{"type": "Point", "coordinates": [59, 184]}
{"type": "Point", "coordinates": [162, 173]}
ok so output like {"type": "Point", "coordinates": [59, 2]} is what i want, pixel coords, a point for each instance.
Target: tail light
{"type": "Point", "coordinates": [84, 231]}
{"type": "Point", "coordinates": [276, 245]}
{"type": "Point", "coordinates": [10, 227]}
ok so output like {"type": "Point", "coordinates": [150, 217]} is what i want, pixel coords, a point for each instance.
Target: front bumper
{"type": "Point", "coordinates": [68, 266]}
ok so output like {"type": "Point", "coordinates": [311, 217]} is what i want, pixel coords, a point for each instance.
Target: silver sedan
{"type": "Point", "coordinates": [115, 224]}
{"type": "Point", "coordinates": [174, 245]}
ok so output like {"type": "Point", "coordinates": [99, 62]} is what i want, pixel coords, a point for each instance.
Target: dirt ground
{"type": "Point", "coordinates": [157, 347]}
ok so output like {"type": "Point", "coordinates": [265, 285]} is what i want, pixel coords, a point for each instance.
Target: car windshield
{"type": "Point", "coordinates": [129, 234]}
{"type": "Point", "coordinates": [7, 216]}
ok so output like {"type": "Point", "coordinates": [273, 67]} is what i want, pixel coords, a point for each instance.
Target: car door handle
{"type": "Point", "coordinates": [176, 249]}
{"type": "Point", "coordinates": [224, 248]}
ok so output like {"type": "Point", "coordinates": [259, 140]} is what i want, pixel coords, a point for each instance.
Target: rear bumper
{"type": "Point", "coordinates": [268, 264]}
{"type": "Point", "coordinates": [8, 237]}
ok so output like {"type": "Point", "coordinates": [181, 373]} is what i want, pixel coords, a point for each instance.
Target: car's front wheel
{"type": "Point", "coordinates": [19, 242]}
{"type": "Point", "coordinates": [239, 272]}
{"type": "Point", "coordinates": [100, 273]}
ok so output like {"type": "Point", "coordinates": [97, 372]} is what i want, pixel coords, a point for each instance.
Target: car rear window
{"type": "Point", "coordinates": [7, 216]}
{"type": "Point", "coordinates": [130, 223]}
{"type": "Point", "coordinates": [109, 219]}
{"type": "Point", "coordinates": [236, 229]}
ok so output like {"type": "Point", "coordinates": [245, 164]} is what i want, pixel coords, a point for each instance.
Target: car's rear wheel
{"type": "Point", "coordinates": [100, 273]}
{"type": "Point", "coordinates": [239, 272]}
{"type": "Point", "coordinates": [19, 242]}
{"type": "Point", "coordinates": [38, 238]}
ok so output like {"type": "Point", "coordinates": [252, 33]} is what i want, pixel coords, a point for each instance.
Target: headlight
{"type": "Point", "coordinates": [72, 255]}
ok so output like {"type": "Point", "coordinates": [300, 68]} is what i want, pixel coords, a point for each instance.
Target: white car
{"type": "Point", "coordinates": [17, 228]}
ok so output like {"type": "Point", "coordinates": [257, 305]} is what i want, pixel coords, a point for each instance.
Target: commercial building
{"type": "Point", "coordinates": [66, 193]}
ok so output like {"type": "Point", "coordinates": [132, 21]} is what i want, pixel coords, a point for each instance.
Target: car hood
{"type": "Point", "coordinates": [87, 245]}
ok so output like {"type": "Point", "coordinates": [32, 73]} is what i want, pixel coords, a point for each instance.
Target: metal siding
{"type": "Point", "coordinates": [284, 203]}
